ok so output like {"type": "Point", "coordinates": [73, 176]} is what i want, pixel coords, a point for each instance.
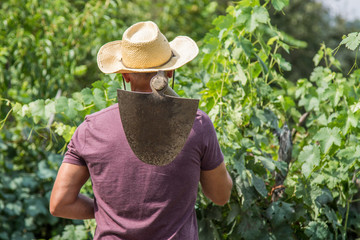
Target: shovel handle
{"type": "Point", "coordinates": [160, 83]}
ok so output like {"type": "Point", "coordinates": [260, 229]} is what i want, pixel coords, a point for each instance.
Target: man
{"type": "Point", "coordinates": [132, 199]}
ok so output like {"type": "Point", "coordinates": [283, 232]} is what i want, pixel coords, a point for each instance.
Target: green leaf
{"type": "Point", "coordinates": [44, 171]}
{"type": "Point", "coordinates": [98, 84]}
{"type": "Point", "coordinates": [286, 102]}
{"type": "Point", "coordinates": [352, 41]}
{"type": "Point", "coordinates": [13, 208]}
{"type": "Point", "coordinates": [35, 206]}
{"type": "Point", "coordinates": [80, 70]}
{"type": "Point", "coordinates": [260, 14]}
{"type": "Point", "coordinates": [318, 57]}
{"type": "Point", "coordinates": [233, 213]}
{"type": "Point", "coordinates": [75, 232]}
{"type": "Point", "coordinates": [61, 104]}
{"type": "Point", "coordinates": [112, 89]}
{"type": "Point", "coordinates": [253, 17]}
{"type": "Point", "coordinates": [29, 224]}
{"type": "Point", "coordinates": [37, 109]}
{"type": "Point", "coordinates": [279, 4]}
{"type": "Point", "coordinates": [17, 108]}
{"type": "Point", "coordinates": [282, 167]}
{"type": "Point", "coordinates": [351, 121]}
{"type": "Point", "coordinates": [247, 46]}
{"type": "Point", "coordinates": [240, 76]}
{"type": "Point", "coordinates": [313, 104]}
{"type": "Point", "coordinates": [87, 96]}
{"type": "Point", "coordinates": [325, 196]}
{"type": "Point", "coordinates": [317, 230]}
{"type": "Point", "coordinates": [349, 152]}
{"type": "Point", "coordinates": [73, 108]}
{"type": "Point", "coordinates": [49, 108]}
{"type": "Point", "coordinates": [224, 22]}
{"type": "Point", "coordinates": [99, 98]}
{"type": "Point", "coordinates": [349, 155]}
{"type": "Point", "coordinates": [64, 130]}
{"type": "Point", "coordinates": [331, 216]}
{"type": "Point", "coordinates": [268, 163]}
{"type": "Point", "coordinates": [310, 157]}
{"type": "Point", "coordinates": [258, 118]}
{"type": "Point", "coordinates": [285, 65]}
{"type": "Point", "coordinates": [259, 185]}
{"type": "Point", "coordinates": [280, 212]}
{"type": "Point", "coordinates": [252, 227]}
{"type": "Point", "coordinates": [327, 137]}
{"type": "Point", "coordinates": [205, 229]}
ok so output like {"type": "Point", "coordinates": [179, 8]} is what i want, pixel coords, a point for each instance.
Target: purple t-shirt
{"type": "Point", "coordinates": [134, 200]}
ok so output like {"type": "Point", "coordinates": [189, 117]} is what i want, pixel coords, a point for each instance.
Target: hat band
{"type": "Point", "coordinates": [172, 55]}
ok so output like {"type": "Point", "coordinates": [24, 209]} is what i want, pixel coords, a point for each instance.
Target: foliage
{"type": "Point", "coordinates": [311, 22]}
{"type": "Point", "coordinates": [250, 101]}
{"type": "Point", "coordinates": [243, 89]}
{"type": "Point", "coordinates": [47, 52]}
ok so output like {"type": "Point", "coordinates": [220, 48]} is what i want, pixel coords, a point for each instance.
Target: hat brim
{"type": "Point", "coordinates": [109, 56]}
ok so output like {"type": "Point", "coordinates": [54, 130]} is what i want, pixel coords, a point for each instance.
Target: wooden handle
{"type": "Point", "coordinates": [160, 83]}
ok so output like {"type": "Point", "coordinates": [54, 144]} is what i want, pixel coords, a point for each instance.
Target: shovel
{"type": "Point", "coordinates": [157, 124]}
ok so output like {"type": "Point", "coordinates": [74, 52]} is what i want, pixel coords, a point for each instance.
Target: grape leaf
{"type": "Point", "coordinates": [37, 109]}
{"type": "Point", "coordinates": [310, 156]}
{"type": "Point", "coordinates": [99, 98]}
{"type": "Point", "coordinates": [252, 17]}
{"type": "Point", "coordinates": [317, 230]}
{"type": "Point", "coordinates": [259, 185]}
{"type": "Point", "coordinates": [87, 96]}
{"type": "Point", "coordinates": [327, 137]}
{"type": "Point", "coordinates": [280, 212]}
{"type": "Point", "coordinates": [279, 4]}
{"type": "Point", "coordinates": [352, 41]}
{"type": "Point", "coordinates": [61, 104]}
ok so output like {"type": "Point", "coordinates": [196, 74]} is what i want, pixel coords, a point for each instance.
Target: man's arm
{"type": "Point", "coordinates": [216, 184]}
{"type": "Point", "coordinates": [65, 200]}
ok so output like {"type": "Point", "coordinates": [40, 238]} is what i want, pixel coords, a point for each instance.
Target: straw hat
{"type": "Point", "coordinates": [144, 48]}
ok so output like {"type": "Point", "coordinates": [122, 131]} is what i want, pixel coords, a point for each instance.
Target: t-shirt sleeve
{"type": "Point", "coordinates": [76, 145]}
{"type": "Point", "coordinates": [212, 155]}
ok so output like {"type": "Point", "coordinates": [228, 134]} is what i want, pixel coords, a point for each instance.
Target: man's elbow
{"type": "Point", "coordinates": [223, 197]}
{"type": "Point", "coordinates": [57, 206]}
{"type": "Point", "coordinates": [220, 202]}
{"type": "Point", "coordinates": [54, 208]}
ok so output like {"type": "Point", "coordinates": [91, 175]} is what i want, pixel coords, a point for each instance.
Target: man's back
{"type": "Point", "coordinates": [135, 200]}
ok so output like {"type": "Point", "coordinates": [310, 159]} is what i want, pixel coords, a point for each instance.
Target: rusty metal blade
{"type": "Point", "coordinates": [156, 127]}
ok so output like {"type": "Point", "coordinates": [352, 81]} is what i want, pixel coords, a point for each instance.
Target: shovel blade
{"type": "Point", "coordinates": [156, 128]}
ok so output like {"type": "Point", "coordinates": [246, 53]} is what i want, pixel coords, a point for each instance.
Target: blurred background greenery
{"type": "Point", "coordinates": [48, 50]}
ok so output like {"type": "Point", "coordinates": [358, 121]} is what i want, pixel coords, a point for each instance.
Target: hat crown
{"type": "Point", "coordinates": [144, 46]}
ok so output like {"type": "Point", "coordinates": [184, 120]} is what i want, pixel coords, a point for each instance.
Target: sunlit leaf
{"type": "Point", "coordinates": [259, 185]}
{"type": "Point", "coordinates": [317, 230]}
{"type": "Point", "coordinates": [279, 4]}
{"type": "Point", "coordinates": [280, 212]}
{"type": "Point", "coordinates": [310, 157]}
{"type": "Point", "coordinates": [328, 137]}
{"type": "Point", "coordinates": [352, 41]}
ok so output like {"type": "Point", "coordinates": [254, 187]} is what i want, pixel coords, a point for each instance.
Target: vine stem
{"type": "Point", "coordinates": [90, 106]}
{"type": "Point", "coordinates": [346, 217]}
{"type": "Point", "coordinates": [354, 65]}
{"type": "Point", "coordinates": [4, 120]}
{"type": "Point", "coordinates": [221, 92]}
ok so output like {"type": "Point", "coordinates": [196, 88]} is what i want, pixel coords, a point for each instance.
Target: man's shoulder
{"type": "Point", "coordinates": [104, 112]}
{"type": "Point", "coordinates": [202, 117]}
{"type": "Point", "coordinates": [106, 118]}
